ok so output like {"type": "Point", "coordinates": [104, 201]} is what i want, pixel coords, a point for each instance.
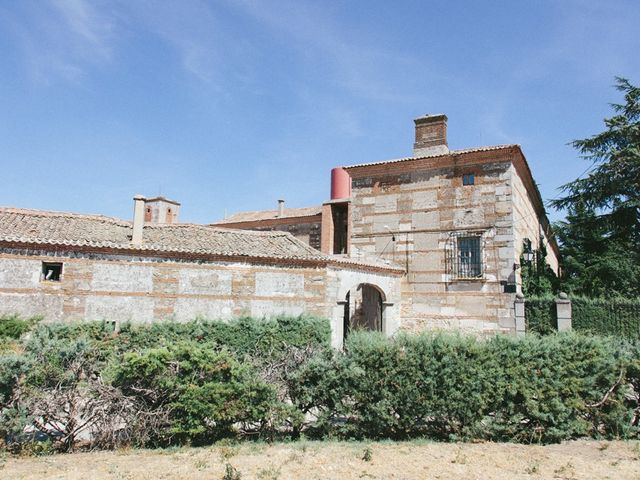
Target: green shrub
{"type": "Point", "coordinates": [549, 388]}
{"type": "Point", "coordinates": [536, 389]}
{"type": "Point", "coordinates": [205, 392]}
{"type": "Point", "coordinates": [204, 380]}
{"type": "Point", "coordinates": [69, 362]}
{"type": "Point", "coordinates": [613, 316]}
{"type": "Point", "coordinates": [540, 315]}
{"type": "Point", "coordinates": [14, 327]}
{"type": "Point", "coordinates": [243, 336]}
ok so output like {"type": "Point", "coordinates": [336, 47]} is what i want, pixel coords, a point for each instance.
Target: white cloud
{"type": "Point", "coordinates": [60, 39]}
{"type": "Point", "coordinates": [361, 68]}
{"type": "Point", "coordinates": [88, 24]}
{"type": "Point", "coordinates": [585, 40]}
{"type": "Point", "coordinates": [64, 39]}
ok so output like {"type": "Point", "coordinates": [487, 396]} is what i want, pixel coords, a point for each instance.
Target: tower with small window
{"type": "Point", "coordinates": [160, 210]}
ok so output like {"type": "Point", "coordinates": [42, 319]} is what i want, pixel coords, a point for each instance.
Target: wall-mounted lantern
{"type": "Point", "coordinates": [528, 255]}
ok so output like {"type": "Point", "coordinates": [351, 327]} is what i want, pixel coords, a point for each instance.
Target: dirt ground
{"type": "Point", "coordinates": [342, 460]}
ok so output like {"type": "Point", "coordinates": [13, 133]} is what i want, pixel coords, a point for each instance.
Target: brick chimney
{"type": "Point", "coordinates": [431, 135]}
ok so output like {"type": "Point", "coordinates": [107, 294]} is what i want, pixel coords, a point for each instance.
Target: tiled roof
{"type": "Point", "coordinates": [271, 214]}
{"type": "Point", "coordinates": [451, 152]}
{"type": "Point", "coordinates": [68, 229]}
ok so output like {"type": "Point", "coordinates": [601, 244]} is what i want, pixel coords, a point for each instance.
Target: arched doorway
{"type": "Point", "coordinates": [363, 309]}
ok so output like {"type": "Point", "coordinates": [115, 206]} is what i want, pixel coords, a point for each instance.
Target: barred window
{"type": "Point", "coordinates": [464, 259]}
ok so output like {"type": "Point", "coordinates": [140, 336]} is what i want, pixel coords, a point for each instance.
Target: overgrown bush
{"type": "Point", "coordinates": [555, 388]}
{"type": "Point", "coordinates": [242, 336]}
{"type": "Point", "coordinates": [204, 392]}
{"type": "Point", "coordinates": [197, 382]}
{"type": "Point", "coordinates": [189, 382]}
{"type": "Point", "coordinates": [14, 327]}
{"type": "Point", "coordinates": [451, 387]}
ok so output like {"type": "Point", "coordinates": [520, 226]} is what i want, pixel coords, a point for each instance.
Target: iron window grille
{"type": "Point", "coordinates": [464, 256]}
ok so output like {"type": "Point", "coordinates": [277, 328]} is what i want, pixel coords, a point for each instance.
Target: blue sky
{"type": "Point", "coordinates": [230, 105]}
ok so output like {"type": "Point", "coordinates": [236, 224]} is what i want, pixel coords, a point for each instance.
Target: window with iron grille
{"type": "Point", "coordinates": [464, 258]}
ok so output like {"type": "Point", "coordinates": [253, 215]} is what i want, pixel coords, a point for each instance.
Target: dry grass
{"type": "Point", "coordinates": [343, 460]}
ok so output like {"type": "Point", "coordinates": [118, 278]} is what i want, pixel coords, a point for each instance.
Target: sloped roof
{"type": "Point", "coordinates": [451, 152]}
{"type": "Point", "coordinates": [271, 215]}
{"type": "Point", "coordinates": [60, 229]}
{"type": "Point", "coordinates": [68, 229]}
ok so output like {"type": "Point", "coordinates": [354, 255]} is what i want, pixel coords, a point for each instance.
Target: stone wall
{"type": "Point", "coordinates": [143, 291]}
{"type": "Point", "coordinates": [424, 204]}
{"type": "Point", "coordinates": [527, 222]}
{"type": "Point", "coordinates": [111, 287]}
{"type": "Point", "coordinates": [306, 229]}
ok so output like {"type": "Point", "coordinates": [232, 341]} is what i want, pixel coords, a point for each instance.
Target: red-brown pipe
{"type": "Point", "coordinates": [340, 184]}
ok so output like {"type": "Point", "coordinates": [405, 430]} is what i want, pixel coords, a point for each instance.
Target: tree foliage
{"type": "Point", "coordinates": [600, 239]}
{"type": "Point", "coordinates": [538, 278]}
{"type": "Point", "coordinates": [594, 263]}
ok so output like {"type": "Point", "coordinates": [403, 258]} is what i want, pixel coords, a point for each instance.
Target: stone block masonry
{"type": "Point", "coordinates": [121, 288]}
{"type": "Point", "coordinates": [426, 206]}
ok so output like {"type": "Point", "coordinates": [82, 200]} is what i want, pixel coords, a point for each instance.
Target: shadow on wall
{"type": "Point", "coordinates": [363, 309]}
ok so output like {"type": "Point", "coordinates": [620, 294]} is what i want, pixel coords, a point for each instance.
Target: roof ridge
{"type": "Point", "coordinates": [34, 212]}
{"type": "Point", "coordinates": [205, 227]}
{"type": "Point", "coordinates": [270, 214]}
{"type": "Point", "coordinates": [450, 152]}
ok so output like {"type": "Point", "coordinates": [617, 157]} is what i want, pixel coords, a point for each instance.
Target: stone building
{"type": "Point", "coordinates": [67, 267]}
{"type": "Point", "coordinates": [302, 223]}
{"type": "Point", "coordinates": [431, 241]}
{"type": "Point", "coordinates": [455, 221]}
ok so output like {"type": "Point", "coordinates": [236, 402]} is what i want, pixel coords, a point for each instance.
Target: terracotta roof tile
{"type": "Point", "coordinates": [270, 215]}
{"type": "Point", "coordinates": [452, 152]}
{"type": "Point", "coordinates": [56, 228]}
{"type": "Point", "coordinates": [47, 228]}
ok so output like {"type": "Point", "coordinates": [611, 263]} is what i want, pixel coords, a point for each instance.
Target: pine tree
{"type": "Point", "coordinates": [611, 190]}
{"type": "Point", "coordinates": [594, 264]}
{"type": "Point", "coordinates": [600, 240]}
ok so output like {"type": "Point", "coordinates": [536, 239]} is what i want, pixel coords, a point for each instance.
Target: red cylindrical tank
{"type": "Point", "coordinates": [340, 184]}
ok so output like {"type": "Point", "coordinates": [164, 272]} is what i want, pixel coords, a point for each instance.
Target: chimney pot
{"type": "Point", "coordinates": [340, 184]}
{"type": "Point", "coordinates": [431, 135]}
{"type": "Point", "coordinates": [280, 208]}
{"type": "Point", "coordinates": [138, 219]}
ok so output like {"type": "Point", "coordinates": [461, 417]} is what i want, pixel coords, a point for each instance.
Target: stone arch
{"type": "Point", "coordinates": [364, 308]}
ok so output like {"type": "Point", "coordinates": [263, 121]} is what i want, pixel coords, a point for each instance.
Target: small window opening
{"type": "Point", "coordinates": [51, 272]}
{"type": "Point", "coordinates": [340, 239]}
{"type": "Point", "coordinates": [468, 179]}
